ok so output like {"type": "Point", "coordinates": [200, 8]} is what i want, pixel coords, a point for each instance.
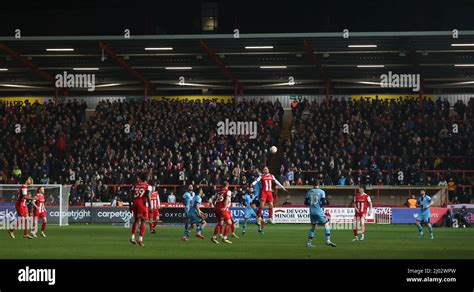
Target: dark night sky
{"type": "Point", "coordinates": [86, 17]}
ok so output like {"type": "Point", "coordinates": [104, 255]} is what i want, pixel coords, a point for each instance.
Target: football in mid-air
{"type": "Point", "coordinates": [273, 149]}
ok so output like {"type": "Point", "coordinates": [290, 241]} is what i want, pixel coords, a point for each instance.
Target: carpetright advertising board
{"type": "Point", "coordinates": [78, 214]}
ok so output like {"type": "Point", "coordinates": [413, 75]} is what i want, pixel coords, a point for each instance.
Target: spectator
{"type": "Point", "coordinates": [389, 135]}
{"type": "Point", "coordinates": [114, 202]}
{"type": "Point", "coordinates": [455, 200]}
{"type": "Point", "coordinates": [342, 181]}
{"type": "Point", "coordinates": [178, 151]}
{"type": "Point", "coordinates": [460, 216]}
{"type": "Point", "coordinates": [437, 162]}
{"type": "Point", "coordinates": [204, 197]}
{"type": "Point", "coordinates": [176, 142]}
{"type": "Point", "coordinates": [16, 173]}
{"type": "Point", "coordinates": [290, 175]}
{"type": "Point", "coordinates": [443, 182]}
{"type": "Point", "coordinates": [171, 198]}
{"type": "Point", "coordinates": [466, 196]}
{"type": "Point", "coordinates": [460, 109]}
{"type": "Point", "coordinates": [411, 202]}
{"type": "Point", "coordinates": [451, 189]}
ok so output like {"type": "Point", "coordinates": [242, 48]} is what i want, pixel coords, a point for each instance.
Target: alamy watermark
{"type": "Point", "coordinates": [343, 225]}
{"type": "Point", "coordinates": [28, 274]}
{"type": "Point", "coordinates": [228, 127]}
{"type": "Point", "coordinates": [394, 80]}
{"type": "Point", "coordinates": [72, 80]}
{"type": "Point", "coordinates": [10, 222]}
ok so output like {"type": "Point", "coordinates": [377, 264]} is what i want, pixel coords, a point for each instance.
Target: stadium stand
{"type": "Point", "coordinates": [175, 142]}
{"type": "Point", "coordinates": [388, 142]}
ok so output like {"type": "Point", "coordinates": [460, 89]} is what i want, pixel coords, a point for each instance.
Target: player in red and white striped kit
{"type": "Point", "coordinates": [39, 212]}
{"type": "Point", "coordinates": [363, 205]}
{"type": "Point", "coordinates": [22, 209]}
{"type": "Point", "coordinates": [154, 214]}
{"type": "Point", "coordinates": [266, 195]}
{"type": "Point", "coordinates": [222, 210]}
{"type": "Point", "coordinates": [141, 201]}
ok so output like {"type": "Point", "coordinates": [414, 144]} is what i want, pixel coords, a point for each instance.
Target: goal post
{"type": "Point", "coordinates": [56, 200]}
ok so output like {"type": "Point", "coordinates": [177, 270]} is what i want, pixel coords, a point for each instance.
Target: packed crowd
{"type": "Point", "coordinates": [386, 142]}
{"type": "Point", "coordinates": [174, 142]}
{"type": "Point", "coordinates": [35, 140]}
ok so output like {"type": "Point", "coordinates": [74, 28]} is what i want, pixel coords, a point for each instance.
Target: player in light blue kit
{"type": "Point", "coordinates": [196, 216]}
{"type": "Point", "coordinates": [424, 203]}
{"type": "Point", "coordinates": [257, 189]}
{"type": "Point", "coordinates": [316, 198]}
{"type": "Point", "coordinates": [250, 207]}
{"type": "Point", "coordinates": [187, 200]}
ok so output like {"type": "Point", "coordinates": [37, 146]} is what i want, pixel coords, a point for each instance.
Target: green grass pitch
{"type": "Point", "coordinates": [279, 242]}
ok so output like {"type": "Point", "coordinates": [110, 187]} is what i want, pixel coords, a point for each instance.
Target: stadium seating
{"type": "Point", "coordinates": [175, 143]}
{"type": "Point", "coordinates": [379, 142]}
{"type": "Point", "coordinates": [172, 141]}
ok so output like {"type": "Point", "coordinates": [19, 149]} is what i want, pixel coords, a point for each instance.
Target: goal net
{"type": "Point", "coordinates": [56, 201]}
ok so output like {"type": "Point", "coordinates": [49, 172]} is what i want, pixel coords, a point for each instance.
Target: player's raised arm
{"type": "Point", "coordinates": [256, 180]}
{"type": "Point", "coordinates": [278, 183]}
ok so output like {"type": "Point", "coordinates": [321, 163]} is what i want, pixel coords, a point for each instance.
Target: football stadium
{"type": "Point", "coordinates": [224, 142]}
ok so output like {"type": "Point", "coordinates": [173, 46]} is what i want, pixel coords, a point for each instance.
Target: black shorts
{"type": "Point", "coordinates": [256, 202]}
